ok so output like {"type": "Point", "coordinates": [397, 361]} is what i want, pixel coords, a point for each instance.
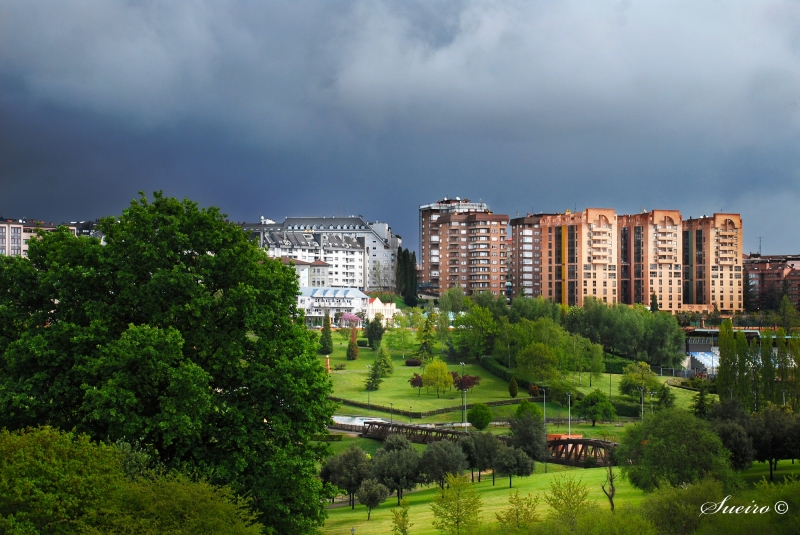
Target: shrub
{"type": "Point", "coordinates": [480, 416]}
{"type": "Point", "coordinates": [362, 343]}
{"type": "Point", "coordinates": [413, 362]}
{"type": "Point", "coordinates": [625, 407]}
{"type": "Point", "coordinates": [339, 366]}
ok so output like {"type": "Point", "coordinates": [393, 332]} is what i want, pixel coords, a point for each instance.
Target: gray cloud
{"type": "Point", "coordinates": [292, 108]}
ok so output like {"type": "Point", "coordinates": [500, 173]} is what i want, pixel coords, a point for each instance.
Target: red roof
{"type": "Point", "coordinates": [286, 260]}
{"type": "Point", "coordinates": [319, 263]}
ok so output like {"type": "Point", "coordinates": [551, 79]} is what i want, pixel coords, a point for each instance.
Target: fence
{"type": "Point", "coordinates": [673, 372]}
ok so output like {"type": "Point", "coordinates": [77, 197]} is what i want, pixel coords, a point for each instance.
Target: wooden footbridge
{"type": "Point", "coordinates": [567, 451]}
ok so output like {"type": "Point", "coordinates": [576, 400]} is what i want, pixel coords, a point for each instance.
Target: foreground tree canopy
{"type": "Point", "coordinates": [177, 333]}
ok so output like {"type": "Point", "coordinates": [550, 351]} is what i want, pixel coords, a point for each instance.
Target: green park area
{"type": "Point", "coordinates": [396, 392]}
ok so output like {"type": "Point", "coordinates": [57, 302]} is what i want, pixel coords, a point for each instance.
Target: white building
{"type": "Point", "coordinates": [301, 267]}
{"type": "Point", "coordinates": [376, 306]}
{"type": "Point", "coordinates": [16, 233]}
{"type": "Point", "coordinates": [293, 238]}
{"type": "Point", "coordinates": [315, 301]}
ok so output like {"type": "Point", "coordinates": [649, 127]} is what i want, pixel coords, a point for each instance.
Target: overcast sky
{"type": "Point", "coordinates": [373, 108]}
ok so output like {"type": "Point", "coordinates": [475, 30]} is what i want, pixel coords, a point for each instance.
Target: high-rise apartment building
{"type": "Point", "coordinates": [649, 258]}
{"type": "Point", "coordinates": [712, 263]}
{"type": "Point", "coordinates": [581, 256]}
{"type": "Point", "coordinates": [771, 277]}
{"type": "Point", "coordinates": [473, 251]}
{"type": "Point", "coordinates": [15, 234]}
{"type": "Point", "coordinates": [526, 254]}
{"type": "Point", "coordinates": [430, 260]}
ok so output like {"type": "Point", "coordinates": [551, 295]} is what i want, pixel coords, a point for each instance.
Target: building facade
{"type": "Point", "coordinates": [772, 276]}
{"type": "Point", "coordinates": [431, 259]}
{"type": "Point", "coordinates": [712, 263]}
{"type": "Point", "coordinates": [378, 245]}
{"type": "Point", "coordinates": [526, 248]}
{"type": "Point", "coordinates": [473, 251]}
{"type": "Point", "coordinates": [15, 234]}
{"type": "Point", "coordinates": [315, 302]}
{"type": "Point", "coordinates": [581, 256]}
{"type": "Point", "coordinates": [649, 259]}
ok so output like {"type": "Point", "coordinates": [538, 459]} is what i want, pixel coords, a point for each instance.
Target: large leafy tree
{"type": "Point", "coordinates": [595, 406]}
{"type": "Point", "coordinates": [672, 447]}
{"type": "Point", "coordinates": [177, 331]}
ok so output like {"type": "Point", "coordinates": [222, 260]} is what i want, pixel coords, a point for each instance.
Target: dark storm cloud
{"type": "Point", "coordinates": [298, 108]}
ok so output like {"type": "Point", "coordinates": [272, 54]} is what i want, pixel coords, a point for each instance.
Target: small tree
{"type": "Point", "coordinates": [521, 512]}
{"type": "Point", "coordinates": [374, 379]}
{"type": "Point", "coordinates": [440, 459]}
{"type": "Point", "coordinates": [636, 375]}
{"type": "Point", "coordinates": [510, 462]}
{"type": "Point", "coordinates": [352, 346]}
{"type": "Point", "coordinates": [384, 361]}
{"type": "Point", "coordinates": [479, 416]}
{"type": "Point", "coordinates": [701, 405]}
{"type": "Point", "coordinates": [568, 499]}
{"type": "Point", "coordinates": [486, 446]}
{"type": "Point", "coordinates": [595, 406]}
{"type": "Point", "coordinates": [513, 389]}
{"type": "Point", "coordinates": [426, 338]}
{"type": "Point", "coordinates": [372, 494]}
{"type": "Point", "coordinates": [527, 431]}
{"type": "Point", "coordinates": [347, 470]}
{"type": "Point", "coordinates": [400, 523]}
{"type": "Point", "coordinates": [417, 382]}
{"type": "Point", "coordinates": [653, 302]}
{"type": "Point", "coordinates": [344, 334]}
{"type": "Point", "coordinates": [396, 465]}
{"type": "Point", "coordinates": [458, 508]}
{"type": "Point", "coordinates": [326, 341]}
{"type": "Point", "coordinates": [436, 375]}
{"type": "Point", "coordinates": [375, 331]}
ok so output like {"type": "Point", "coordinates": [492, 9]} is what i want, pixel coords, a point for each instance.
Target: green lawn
{"type": "Point", "coordinates": [495, 498]}
{"type": "Point", "coordinates": [349, 383]}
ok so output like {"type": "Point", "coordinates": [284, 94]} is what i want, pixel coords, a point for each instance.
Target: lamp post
{"type": "Point", "coordinates": [409, 415]}
{"type": "Point", "coordinates": [544, 418]}
{"type": "Point", "coordinates": [730, 393]}
{"type": "Point", "coordinates": [651, 401]}
{"type": "Point", "coordinates": [784, 397]}
{"type": "Point", "coordinates": [641, 389]}
{"type": "Point", "coordinates": [609, 386]}
{"type": "Point", "coordinates": [569, 414]}
{"type": "Point", "coordinates": [391, 413]}
{"type": "Point", "coordinates": [368, 391]}
{"type": "Point", "coordinates": [463, 398]}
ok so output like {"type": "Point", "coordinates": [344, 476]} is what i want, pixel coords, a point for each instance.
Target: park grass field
{"type": "Point", "coordinates": [495, 498]}
{"type": "Point", "coordinates": [397, 393]}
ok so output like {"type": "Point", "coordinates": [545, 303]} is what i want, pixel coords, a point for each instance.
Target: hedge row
{"type": "Point", "coordinates": [614, 363]}
{"type": "Point", "coordinates": [423, 414]}
{"type": "Point", "coordinates": [327, 438]}
{"type": "Point", "coordinates": [490, 364]}
{"type": "Point", "coordinates": [625, 407]}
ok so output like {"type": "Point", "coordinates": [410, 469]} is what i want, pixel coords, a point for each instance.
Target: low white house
{"type": "Point", "coordinates": [376, 306]}
{"type": "Point", "coordinates": [302, 268]}
{"type": "Point", "coordinates": [314, 301]}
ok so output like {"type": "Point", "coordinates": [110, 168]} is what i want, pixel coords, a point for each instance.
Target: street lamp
{"type": "Point", "coordinates": [391, 413]}
{"type": "Point", "coordinates": [368, 390]}
{"type": "Point", "coordinates": [730, 392]}
{"type": "Point", "coordinates": [544, 418]}
{"type": "Point", "coordinates": [569, 414]}
{"type": "Point", "coordinates": [651, 401]}
{"type": "Point", "coordinates": [409, 415]}
{"type": "Point", "coordinates": [463, 398]}
{"type": "Point", "coordinates": [641, 389]}
{"type": "Point", "coordinates": [784, 397]}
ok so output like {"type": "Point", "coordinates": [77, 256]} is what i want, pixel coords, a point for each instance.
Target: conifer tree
{"type": "Point", "coordinates": [513, 388]}
{"type": "Point", "coordinates": [383, 362]}
{"type": "Point", "coordinates": [352, 346]}
{"type": "Point", "coordinates": [326, 341]}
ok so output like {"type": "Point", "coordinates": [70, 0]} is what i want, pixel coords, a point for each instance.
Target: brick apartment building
{"type": "Point", "coordinates": [473, 251]}
{"type": "Point", "coordinates": [712, 263]}
{"type": "Point", "coordinates": [474, 259]}
{"type": "Point", "coordinates": [770, 276]}
{"type": "Point", "coordinates": [627, 258]}
{"type": "Point", "coordinates": [649, 258]}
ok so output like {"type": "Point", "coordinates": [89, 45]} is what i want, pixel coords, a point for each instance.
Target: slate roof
{"type": "Point", "coordinates": [332, 293]}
